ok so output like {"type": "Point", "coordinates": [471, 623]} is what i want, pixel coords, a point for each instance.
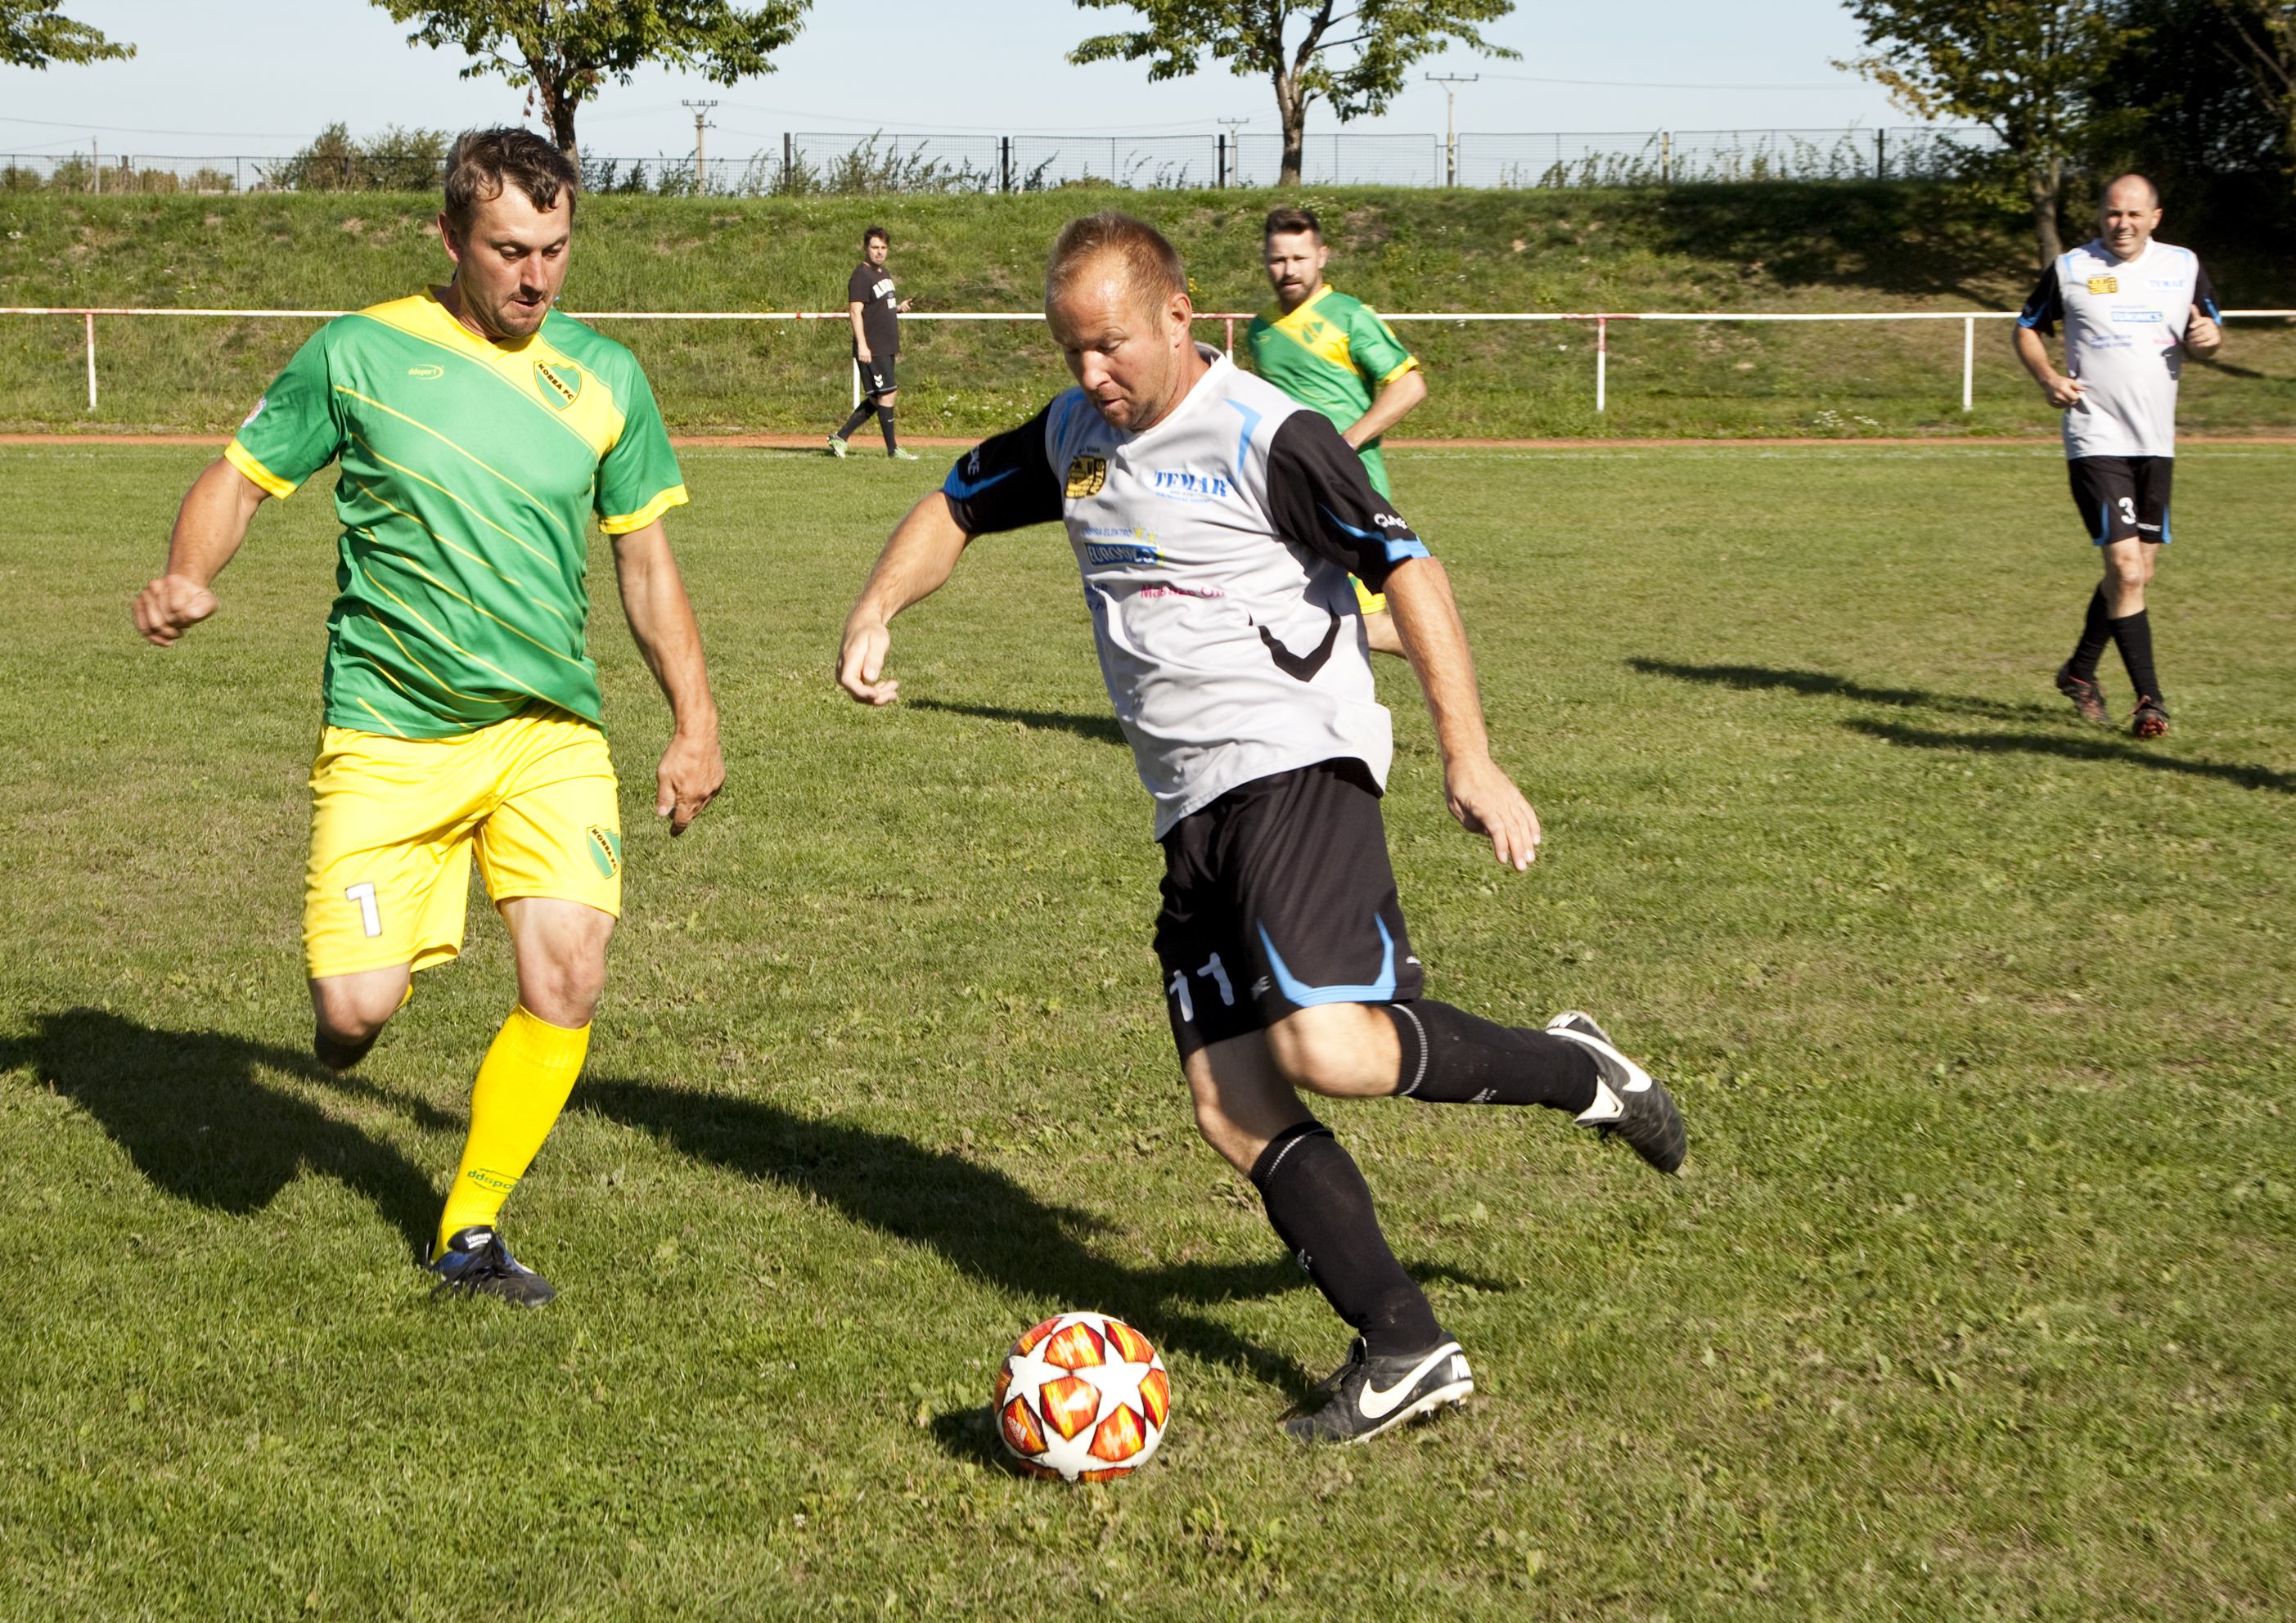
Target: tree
{"type": "Point", "coordinates": [2028, 70]}
{"type": "Point", "coordinates": [2265, 32]}
{"type": "Point", "coordinates": [562, 52]}
{"type": "Point", "coordinates": [1357, 60]}
{"type": "Point", "coordinates": [32, 36]}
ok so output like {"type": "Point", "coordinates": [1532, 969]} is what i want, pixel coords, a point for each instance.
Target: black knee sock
{"type": "Point", "coordinates": [2134, 634]}
{"type": "Point", "coordinates": [1452, 1057]}
{"type": "Point", "coordinates": [861, 414]}
{"type": "Point", "coordinates": [885, 421]}
{"type": "Point", "coordinates": [1321, 1208]}
{"type": "Point", "coordinates": [2096, 631]}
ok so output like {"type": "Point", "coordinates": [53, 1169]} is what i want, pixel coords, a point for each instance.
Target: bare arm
{"type": "Point", "coordinates": [1481, 796]}
{"type": "Point", "coordinates": [209, 526]}
{"type": "Point", "coordinates": [692, 768]}
{"type": "Point", "coordinates": [1396, 399]}
{"type": "Point", "coordinates": [2062, 392]}
{"type": "Point", "coordinates": [918, 557]}
{"type": "Point", "coordinates": [860, 336]}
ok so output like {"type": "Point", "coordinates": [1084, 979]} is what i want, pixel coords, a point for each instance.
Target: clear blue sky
{"type": "Point", "coordinates": [278, 69]}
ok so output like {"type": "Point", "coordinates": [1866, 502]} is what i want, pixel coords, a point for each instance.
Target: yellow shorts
{"type": "Point", "coordinates": [1367, 600]}
{"type": "Point", "coordinates": [394, 822]}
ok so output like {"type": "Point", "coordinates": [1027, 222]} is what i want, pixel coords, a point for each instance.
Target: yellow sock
{"type": "Point", "coordinates": [522, 1085]}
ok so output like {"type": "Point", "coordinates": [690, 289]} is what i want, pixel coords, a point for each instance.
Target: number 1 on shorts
{"type": "Point", "coordinates": [369, 915]}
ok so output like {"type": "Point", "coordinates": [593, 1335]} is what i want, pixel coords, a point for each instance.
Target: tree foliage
{"type": "Point", "coordinates": [2028, 70]}
{"type": "Point", "coordinates": [2263, 49]}
{"type": "Point", "coordinates": [1354, 60]}
{"type": "Point", "coordinates": [563, 52]}
{"type": "Point", "coordinates": [33, 34]}
{"type": "Point", "coordinates": [396, 160]}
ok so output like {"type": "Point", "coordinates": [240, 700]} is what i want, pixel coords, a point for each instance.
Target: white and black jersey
{"type": "Point", "coordinates": [1215, 548]}
{"type": "Point", "coordinates": [2124, 322]}
{"type": "Point", "coordinates": [871, 286]}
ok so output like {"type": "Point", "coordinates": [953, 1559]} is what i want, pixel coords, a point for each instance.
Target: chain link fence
{"type": "Point", "coordinates": [814, 163]}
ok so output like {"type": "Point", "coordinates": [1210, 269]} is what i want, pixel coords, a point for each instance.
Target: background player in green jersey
{"type": "Point", "coordinates": [478, 433]}
{"type": "Point", "coordinates": [1327, 350]}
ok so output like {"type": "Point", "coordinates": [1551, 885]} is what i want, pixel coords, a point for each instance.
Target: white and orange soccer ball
{"type": "Point", "coordinates": [1084, 1397]}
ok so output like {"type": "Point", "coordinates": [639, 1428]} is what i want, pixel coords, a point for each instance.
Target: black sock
{"type": "Point", "coordinates": [2096, 631]}
{"type": "Point", "coordinates": [1452, 1057]}
{"type": "Point", "coordinates": [885, 419]}
{"type": "Point", "coordinates": [2134, 634]}
{"type": "Point", "coordinates": [861, 414]}
{"type": "Point", "coordinates": [1321, 1208]}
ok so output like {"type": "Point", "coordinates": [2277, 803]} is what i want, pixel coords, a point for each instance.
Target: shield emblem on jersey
{"type": "Point", "coordinates": [2105, 284]}
{"type": "Point", "coordinates": [1088, 475]}
{"type": "Point", "coordinates": [561, 384]}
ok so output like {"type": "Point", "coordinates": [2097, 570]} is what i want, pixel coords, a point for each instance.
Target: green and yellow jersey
{"type": "Point", "coordinates": [1333, 353]}
{"type": "Point", "coordinates": [470, 474]}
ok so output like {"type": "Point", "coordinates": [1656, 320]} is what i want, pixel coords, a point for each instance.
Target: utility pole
{"type": "Point", "coordinates": [1449, 81]}
{"type": "Point", "coordinates": [1231, 143]}
{"type": "Point", "coordinates": [701, 123]}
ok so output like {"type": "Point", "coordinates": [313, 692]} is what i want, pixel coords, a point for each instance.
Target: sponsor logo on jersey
{"type": "Point", "coordinates": [1185, 485]}
{"type": "Point", "coordinates": [1088, 476]}
{"type": "Point", "coordinates": [2171, 284]}
{"type": "Point", "coordinates": [2125, 312]}
{"type": "Point", "coordinates": [1107, 552]}
{"type": "Point", "coordinates": [426, 370]}
{"type": "Point", "coordinates": [2105, 284]}
{"type": "Point", "coordinates": [260, 402]}
{"type": "Point", "coordinates": [561, 383]}
{"type": "Point", "coordinates": [605, 850]}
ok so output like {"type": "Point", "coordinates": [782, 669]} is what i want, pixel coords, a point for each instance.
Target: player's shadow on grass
{"type": "Point", "coordinates": [199, 1122]}
{"type": "Point", "coordinates": [1101, 729]}
{"type": "Point", "coordinates": [982, 1222]}
{"type": "Point", "coordinates": [1826, 684]}
{"type": "Point", "coordinates": [2073, 748]}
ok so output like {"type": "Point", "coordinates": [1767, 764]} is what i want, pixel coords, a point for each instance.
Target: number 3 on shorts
{"type": "Point", "coordinates": [2128, 509]}
{"type": "Point", "coordinates": [369, 915]}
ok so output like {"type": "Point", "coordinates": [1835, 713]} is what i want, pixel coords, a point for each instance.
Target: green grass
{"type": "Point", "coordinates": [1975, 1300]}
{"type": "Point", "coordinates": [1766, 248]}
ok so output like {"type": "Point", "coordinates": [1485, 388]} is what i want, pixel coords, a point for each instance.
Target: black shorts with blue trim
{"type": "Point", "coordinates": [1278, 896]}
{"type": "Point", "coordinates": [2122, 498]}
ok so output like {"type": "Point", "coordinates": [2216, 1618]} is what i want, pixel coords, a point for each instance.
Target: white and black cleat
{"type": "Point", "coordinates": [1628, 1101]}
{"type": "Point", "coordinates": [1369, 1395]}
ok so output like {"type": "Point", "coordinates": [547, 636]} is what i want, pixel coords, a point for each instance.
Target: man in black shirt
{"type": "Point", "coordinates": [874, 307]}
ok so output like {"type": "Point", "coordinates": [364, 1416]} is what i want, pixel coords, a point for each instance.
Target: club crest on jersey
{"type": "Point", "coordinates": [2105, 284]}
{"type": "Point", "coordinates": [1088, 476]}
{"type": "Point", "coordinates": [561, 383]}
{"type": "Point", "coordinates": [605, 850]}
{"type": "Point", "coordinates": [260, 402]}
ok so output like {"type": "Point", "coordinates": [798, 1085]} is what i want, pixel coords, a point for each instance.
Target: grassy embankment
{"type": "Point", "coordinates": [1770, 248]}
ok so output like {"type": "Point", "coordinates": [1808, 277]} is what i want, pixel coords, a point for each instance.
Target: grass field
{"type": "Point", "coordinates": [1975, 1299]}
{"type": "Point", "coordinates": [1759, 247]}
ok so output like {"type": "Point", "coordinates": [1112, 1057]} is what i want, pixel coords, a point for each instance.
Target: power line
{"type": "Point", "coordinates": [1525, 79]}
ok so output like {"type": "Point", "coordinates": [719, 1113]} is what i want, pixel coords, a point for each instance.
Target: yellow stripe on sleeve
{"type": "Point", "coordinates": [675, 496]}
{"type": "Point", "coordinates": [240, 457]}
{"type": "Point", "coordinates": [1410, 364]}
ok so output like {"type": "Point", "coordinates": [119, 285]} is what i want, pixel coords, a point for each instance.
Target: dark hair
{"type": "Point", "coordinates": [482, 161]}
{"type": "Point", "coordinates": [876, 233]}
{"type": "Point", "coordinates": [1284, 222]}
{"type": "Point", "coordinates": [1151, 263]}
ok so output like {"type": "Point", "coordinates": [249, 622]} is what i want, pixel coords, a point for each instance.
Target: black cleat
{"type": "Point", "coordinates": [476, 1260]}
{"type": "Point", "coordinates": [1369, 1395]}
{"type": "Point", "coordinates": [340, 1056]}
{"type": "Point", "coordinates": [2150, 720]}
{"type": "Point", "coordinates": [2086, 693]}
{"type": "Point", "coordinates": [1627, 1101]}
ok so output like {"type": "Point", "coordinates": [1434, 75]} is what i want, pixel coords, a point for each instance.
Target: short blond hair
{"type": "Point", "coordinates": [1152, 265]}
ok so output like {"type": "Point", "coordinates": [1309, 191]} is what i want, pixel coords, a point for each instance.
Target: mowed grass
{"type": "Point", "coordinates": [1975, 1298]}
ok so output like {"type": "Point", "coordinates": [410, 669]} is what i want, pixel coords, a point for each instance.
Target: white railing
{"type": "Point", "coordinates": [1599, 320]}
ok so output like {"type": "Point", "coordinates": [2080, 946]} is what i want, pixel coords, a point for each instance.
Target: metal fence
{"type": "Point", "coordinates": [814, 162]}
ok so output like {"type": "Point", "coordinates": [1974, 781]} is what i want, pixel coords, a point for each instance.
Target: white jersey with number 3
{"type": "Point", "coordinates": [2124, 322]}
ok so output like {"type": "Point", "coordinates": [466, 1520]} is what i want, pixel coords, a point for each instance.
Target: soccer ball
{"type": "Point", "coordinates": [1083, 1397]}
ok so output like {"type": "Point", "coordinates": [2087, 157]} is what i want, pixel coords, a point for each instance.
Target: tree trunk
{"type": "Point", "coordinates": [1292, 111]}
{"type": "Point", "coordinates": [2046, 186]}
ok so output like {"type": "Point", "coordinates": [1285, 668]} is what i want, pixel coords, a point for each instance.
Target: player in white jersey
{"type": "Point", "coordinates": [1215, 521]}
{"type": "Point", "coordinates": [2132, 307]}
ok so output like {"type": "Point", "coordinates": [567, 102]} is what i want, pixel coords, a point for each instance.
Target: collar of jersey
{"type": "Point", "coordinates": [1298, 312]}
{"type": "Point", "coordinates": [2099, 251]}
{"type": "Point", "coordinates": [446, 330]}
{"type": "Point", "coordinates": [1205, 386]}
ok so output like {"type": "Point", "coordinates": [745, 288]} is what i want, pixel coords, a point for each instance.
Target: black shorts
{"type": "Point", "coordinates": [2123, 498]}
{"type": "Point", "coordinates": [876, 376]}
{"type": "Point", "coordinates": [1278, 896]}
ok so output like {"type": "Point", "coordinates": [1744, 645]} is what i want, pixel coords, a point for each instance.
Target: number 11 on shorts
{"type": "Point", "coordinates": [369, 915]}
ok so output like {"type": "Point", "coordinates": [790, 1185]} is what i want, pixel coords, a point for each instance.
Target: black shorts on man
{"type": "Point", "coordinates": [1278, 896]}
{"type": "Point", "coordinates": [877, 377]}
{"type": "Point", "coordinates": [2122, 498]}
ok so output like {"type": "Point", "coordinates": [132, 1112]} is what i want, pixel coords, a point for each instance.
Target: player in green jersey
{"type": "Point", "coordinates": [1333, 353]}
{"type": "Point", "coordinates": [479, 431]}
